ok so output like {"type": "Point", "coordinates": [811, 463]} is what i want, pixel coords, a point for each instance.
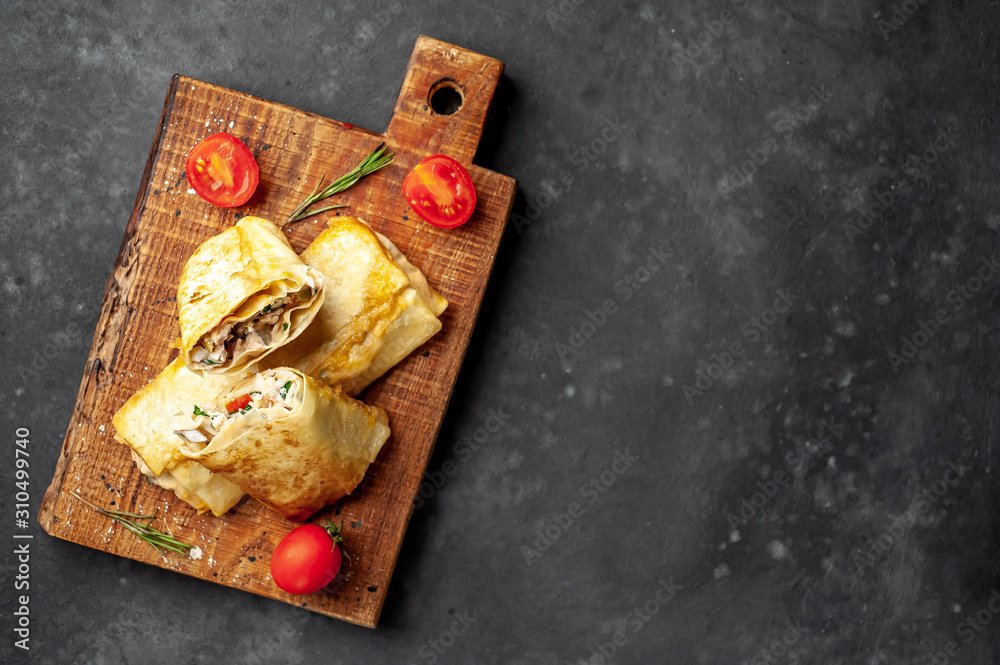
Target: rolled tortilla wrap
{"type": "Point", "coordinates": [287, 440]}
{"type": "Point", "coordinates": [378, 308]}
{"type": "Point", "coordinates": [242, 294]}
{"type": "Point", "coordinates": [143, 424]}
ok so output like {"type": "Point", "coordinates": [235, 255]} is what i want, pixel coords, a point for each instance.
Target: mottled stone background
{"type": "Point", "coordinates": [741, 334]}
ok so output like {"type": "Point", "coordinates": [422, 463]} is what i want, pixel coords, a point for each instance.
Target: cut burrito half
{"type": "Point", "coordinates": [378, 308]}
{"type": "Point", "coordinates": [241, 295]}
{"type": "Point", "coordinates": [143, 424]}
{"type": "Point", "coordinates": [287, 440]}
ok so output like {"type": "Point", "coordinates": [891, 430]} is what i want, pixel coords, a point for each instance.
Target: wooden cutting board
{"type": "Point", "coordinates": [132, 342]}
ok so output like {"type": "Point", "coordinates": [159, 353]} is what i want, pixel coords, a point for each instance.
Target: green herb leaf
{"type": "Point", "coordinates": [283, 391]}
{"type": "Point", "coordinates": [199, 412]}
{"type": "Point", "coordinates": [139, 525]}
{"type": "Point", "coordinates": [267, 308]}
{"type": "Point", "coordinates": [284, 326]}
{"type": "Point", "coordinates": [373, 162]}
{"type": "Point", "coordinates": [246, 408]}
{"type": "Point", "coordinates": [209, 361]}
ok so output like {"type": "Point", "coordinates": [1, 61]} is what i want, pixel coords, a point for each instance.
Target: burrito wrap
{"type": "Point", "coordinates": [378, 308]}
{"type": "Point", "coordinates": [297, 459]}
{"type": "Point", "coordinates": [242, 294]}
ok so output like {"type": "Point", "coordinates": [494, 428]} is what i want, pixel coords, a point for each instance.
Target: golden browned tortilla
{"type": "Point", "coordinates": [378, 308]}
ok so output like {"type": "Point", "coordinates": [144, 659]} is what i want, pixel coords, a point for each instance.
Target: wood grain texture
{"type": "Point", "coordinates": [137, 325]}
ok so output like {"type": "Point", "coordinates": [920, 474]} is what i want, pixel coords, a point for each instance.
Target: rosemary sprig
{"type": "Point", "coordinates": [134, 523]}
{"type": "Point", "coordinates": [376, 160]}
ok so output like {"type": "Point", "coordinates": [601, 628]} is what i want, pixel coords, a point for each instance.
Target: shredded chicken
{"type": "Point", "coordinates": [268, 389]}
{"type": "Point", "coordinates": [233, 338]}
{"type": "Point", "coordinates": [197, 429]}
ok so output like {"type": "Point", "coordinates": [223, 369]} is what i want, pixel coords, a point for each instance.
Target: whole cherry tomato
{"type": "Point", "coordinates": [308, 558]}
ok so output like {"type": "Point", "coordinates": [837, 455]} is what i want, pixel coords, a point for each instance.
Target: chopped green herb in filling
{"type": "Point", "coordinates": [283, 391]}
{"type": "Point", "coordinates": [199, 412]}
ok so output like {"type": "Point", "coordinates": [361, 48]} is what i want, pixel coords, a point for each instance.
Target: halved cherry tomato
{"type": "Point", "coordinates": [440, 190]}
{"type": "Point", "coordinates": [308, 558]}
{"type": "Point", "coordinates": [222, 170]}
{"type": "Point", "coordinates": [238, 403]}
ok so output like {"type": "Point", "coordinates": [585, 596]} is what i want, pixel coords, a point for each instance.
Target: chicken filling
{"type": "Point", "coordinates": [267, 390]}
{"type": "Point", "coordinates": [232, 339]}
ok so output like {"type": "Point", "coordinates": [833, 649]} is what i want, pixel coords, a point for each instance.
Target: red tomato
{"type": "Point", "coordinates": [308, 558]}
{"type": "Point", "coordinates": [222, 170]}
{"type": "Point", "coordinates": [238, 403]}
{"type": "Point", "coordinates": [440, 190]}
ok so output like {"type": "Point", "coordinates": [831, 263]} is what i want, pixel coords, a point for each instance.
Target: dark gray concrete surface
{"type": "Point", "coordinates": [824, 492]}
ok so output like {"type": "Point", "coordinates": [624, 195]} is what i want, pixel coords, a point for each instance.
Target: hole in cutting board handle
{"type": "Point", "coordinates": [445, 97]}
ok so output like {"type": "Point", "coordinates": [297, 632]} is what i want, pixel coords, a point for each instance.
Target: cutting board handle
{"type": "Point", "coordinates": [436, 72]}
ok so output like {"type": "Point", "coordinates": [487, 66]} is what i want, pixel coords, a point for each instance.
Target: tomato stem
{"type": "Point", "coordinates": [335, 531]}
